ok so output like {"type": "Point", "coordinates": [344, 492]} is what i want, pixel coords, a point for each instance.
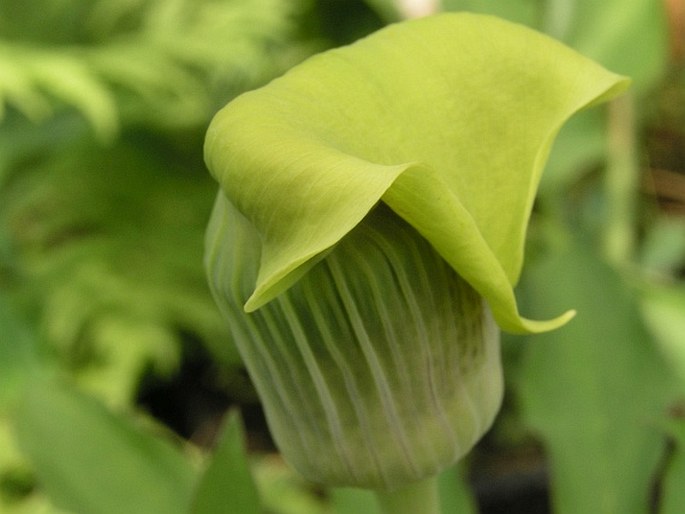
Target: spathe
{"type": "Point", "coordinates": [448, 119]}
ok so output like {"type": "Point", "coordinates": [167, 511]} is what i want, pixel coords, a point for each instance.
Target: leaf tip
{"type": "Point", "coordinates": [536, 327]}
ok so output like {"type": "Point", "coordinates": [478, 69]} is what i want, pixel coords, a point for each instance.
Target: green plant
{"type": "Point", "coordinates": [103, 299]}
{"type": "Point", "coordinates": [103, 205]}
{"type": "Point", "coordinates": [364, 212]}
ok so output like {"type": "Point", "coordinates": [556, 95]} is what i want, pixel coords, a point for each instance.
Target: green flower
{"type": "Point", "coordinates": [370, 226]}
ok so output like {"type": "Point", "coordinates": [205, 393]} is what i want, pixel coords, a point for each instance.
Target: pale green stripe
{"type": "Point", "coordinates": [463, 333]}
{"type": "Point", "coordinates": [314, 297]}
{"type": "Point", "coordinates": [355, 396]}
{"type": "Point", "coordinates": [326, 398]}
{"type": "Point", "coordinates": [382, 297]}
{"type": "Point", "coordinates": [226, 263]}
{"type": "Point", "coordinates": [409, 295]}
{"type": "Point", "coordinates": [395, 422]}
{"type": "Point", "coordinates": [274, 344]}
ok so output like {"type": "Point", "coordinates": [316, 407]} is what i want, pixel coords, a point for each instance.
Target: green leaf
{"type": "Point", "coordinates": [227, 483]}
{"type": "Point", "coordinates": [91, 461]}
{"type": "Point", "coordinates": [595, 390]}
{"type": "Point", "coordinates": [283, 491]}
{"type": "Point", "coordinates": [70, 80]}
{"type": "Point", "coordinates": [664, 311]}
{"type": "Point", "coordinates": [109, 247]}
{"type": "Point", "coordinates": [673, 492]}
{"type": "Point", "coordinates": [17, 89]}
{"type": "Point", "coordinates": [628, 36]}
{"type": "Point", "coordinates": [19, 357]}
{"type": "Point", "coordinates": [663, 248]}
{"type": "Point", "coordinates": [447, 119]}
{"type": "Point", "coordinates": [140, 61]}
{"type": "Point", "coordinates": [579, 146]}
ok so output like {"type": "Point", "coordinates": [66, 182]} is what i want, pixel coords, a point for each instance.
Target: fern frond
{"type": "Point", "coordinates": [108, 245]}
{"type": "Point", "coordinates": [156, 61]}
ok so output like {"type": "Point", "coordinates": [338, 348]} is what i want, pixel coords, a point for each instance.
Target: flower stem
{"type": "Point", "coordinates": [418, 498]}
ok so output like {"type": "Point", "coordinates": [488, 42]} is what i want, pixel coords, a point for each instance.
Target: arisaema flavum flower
{"type": "Point", "coordinates": [369, 231]}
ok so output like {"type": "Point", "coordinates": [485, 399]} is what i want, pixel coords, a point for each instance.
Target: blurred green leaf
{"type": "Point", "coordinates": [455, 496]}
{"type": "Point", "coordinates": [595, 390]}
{"type": "Point", "coordinates": [347, 500]}
{"type": "Point", "coordinates": [388, 10]}
{"type": "Point", "coordinates": [35, 504]}
{"type": "Point", "coordinates": [108, 243]}
{"type": "Point", "coordinates": [283, 491]}
{"type": "Point", "coordinates": [579, 146]}
{"type": "Point", "coordinates": [60, 21]}
{"type": "Point", "coordinates": [22, 361]}
{"type": "Point", "coordinates": [664, 311]}
{"type": "Point", "coordinates": [18, 354]}
{"type": "Point", "coordinates": [527, 12]}
{"type": "Point", "coordinates": [70, 80]}
{"type": "Point", "coordinates": [663, 248]}
{"type": "Point", "coordinates": [90, 461]}
{"type": "Point", "coordinates": [673, 492]}
{"type": "Point", "coordinates": [626, 36]}
{"type": "Point", "coordinates": [227, 484]}
{"type": "Point", "coordinates": [169, 63]}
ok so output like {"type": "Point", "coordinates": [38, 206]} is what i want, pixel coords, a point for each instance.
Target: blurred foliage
{"type": "Point", "coordinates": [214, 491]}
{"type": "Point", "coordinates": [166, 62]}
{"type": "Point", "coordinates": [104, 197]}
{"type": "Point", "coordinates": [111, 466]}
{"type": "Point", "coordinates": [103, 205]}
{"type": "Point", "coordinates": [587, 404]}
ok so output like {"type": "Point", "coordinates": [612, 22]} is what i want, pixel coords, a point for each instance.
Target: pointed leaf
{"type": "Point", "coordinates": [89, 460]}
{"type": "Point", "coordinates": [227, 484]}
{"type": "Point", "coordinates": [447, 119]}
